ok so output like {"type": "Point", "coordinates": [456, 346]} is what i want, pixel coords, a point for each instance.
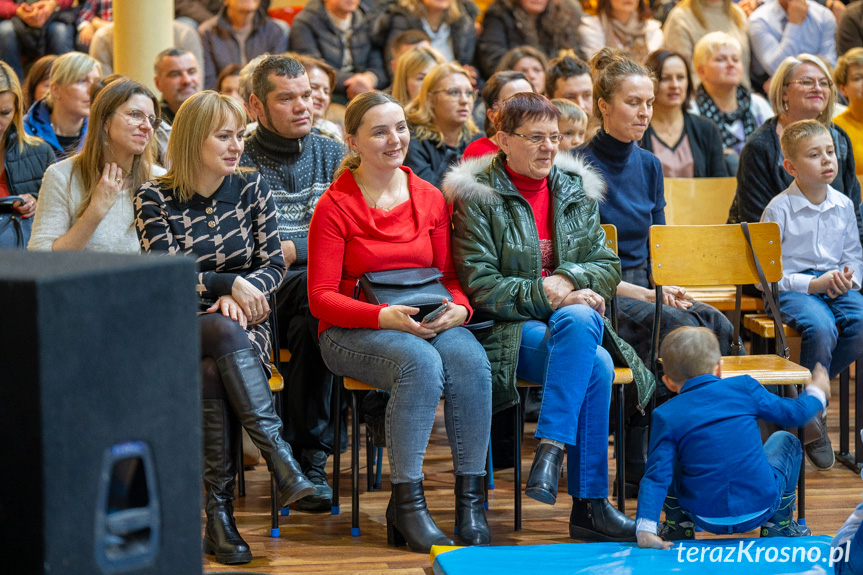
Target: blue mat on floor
{"type": "Point", "coordinates": [774, 556]}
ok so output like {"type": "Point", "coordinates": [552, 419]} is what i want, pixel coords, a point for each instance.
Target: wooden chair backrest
{"type": "Point", "coordinates": [610, 236]}
{"type": "Point", "coordinates": [698, 201]}
{"type": "Point", "coordinates": [714, 255]}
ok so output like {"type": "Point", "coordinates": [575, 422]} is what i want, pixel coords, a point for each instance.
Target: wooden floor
{"type": "Point", "coordinates": [321, 543]}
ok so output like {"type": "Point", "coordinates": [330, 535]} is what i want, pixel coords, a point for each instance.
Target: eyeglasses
{"type": "Point", "coordinates": [808, 83]}
{"type": "Point", "coordinates": [137, 117]}
{"type": "Point", "coordinates": [539, 139]}
{"type": "Point", "coordinates": [455, 93]}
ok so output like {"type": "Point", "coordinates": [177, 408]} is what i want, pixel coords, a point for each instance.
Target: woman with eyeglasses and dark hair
{"type": "Point", "coordinates": [531, 254]}
{"type": "Point", "coordinates": [441, 122]}
{"type": "Point", "coordinates": [86, 201]}
{"type": "Point", "coordinates": [499, 87]}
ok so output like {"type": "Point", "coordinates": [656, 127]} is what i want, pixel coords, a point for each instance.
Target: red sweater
{"type": "Point", "coordinates": [538, 196]}
{"type": "Point", "coordinates": [347, 238]}
{"type": "Point", "coordinates": [478, 148]}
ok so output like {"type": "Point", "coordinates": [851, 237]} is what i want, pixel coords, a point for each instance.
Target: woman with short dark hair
{"type": "Point", "coordinates": [532, 256]}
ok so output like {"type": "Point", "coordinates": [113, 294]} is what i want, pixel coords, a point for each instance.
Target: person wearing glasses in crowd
{"type": "Point", "coordinates": [802, 89]}
{"type": "Point", "coordinates": [442, 122]}
{"type": "Point", "coordinates": [85, 202]}
{"type": "Point", "coordinates": [530, 252]}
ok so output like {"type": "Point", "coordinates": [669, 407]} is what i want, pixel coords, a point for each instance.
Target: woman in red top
{"type": "Point", "coordinates": [499, 87]}
{"type": "Point", "coordinates": [378, 215]}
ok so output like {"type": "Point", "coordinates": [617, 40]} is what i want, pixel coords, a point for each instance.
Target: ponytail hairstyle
{"type": "Point", "coordinates": [354, 115]}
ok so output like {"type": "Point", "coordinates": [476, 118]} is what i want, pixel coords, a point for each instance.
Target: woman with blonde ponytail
{"type": "Point", "coordinates": [378, 215]}
{"type": "Point", "coordinates": [86, 200]}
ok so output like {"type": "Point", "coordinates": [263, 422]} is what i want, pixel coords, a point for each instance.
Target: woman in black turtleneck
{"type": "Point", "coordinates": [623, 97]}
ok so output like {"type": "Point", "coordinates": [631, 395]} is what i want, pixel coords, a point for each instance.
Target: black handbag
{"type": "Point", "coordinates": [413, 287]}
{"type": "Point", "coordinates": [14, 229]}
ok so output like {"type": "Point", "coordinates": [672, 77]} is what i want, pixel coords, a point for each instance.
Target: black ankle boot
{"type": "Point", "coordinates": [409, 521]}
{"type": "Point", "coordinates": [248, 391]}
{"type": "Point", "coordinates": [598, 520]}
{"type": "Point", "coordinates": [544, 474]}
{"type": "Point", "coordinates": [470, 510]}
{"type": "Point", "coordinates": [221, 537]}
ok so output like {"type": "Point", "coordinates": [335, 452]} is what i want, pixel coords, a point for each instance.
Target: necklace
{"type": "Point", "coordinates": [376, 205]}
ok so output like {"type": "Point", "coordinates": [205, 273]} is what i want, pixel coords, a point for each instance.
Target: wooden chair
{"type": "Point", "coordinates": [719, 255]}
{"type": "Point", "coordinates": [763, 330]}
{"type": "Point", "coordinates": [705, 202]}
{"type": "Point", "coordinates": [622, 376]}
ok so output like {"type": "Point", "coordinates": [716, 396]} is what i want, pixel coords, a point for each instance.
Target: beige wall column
{"type": "Point", "coordinates": [142, 29]}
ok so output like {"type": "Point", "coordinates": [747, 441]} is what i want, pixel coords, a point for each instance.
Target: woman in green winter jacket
{"type": "Point", "coordinates": [530, 254]}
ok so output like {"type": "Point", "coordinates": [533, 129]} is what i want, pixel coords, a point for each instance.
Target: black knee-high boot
{"type": "Point", "coordinates": [221, 537]}
{"type": "Point", "coordinates": [248, 391]}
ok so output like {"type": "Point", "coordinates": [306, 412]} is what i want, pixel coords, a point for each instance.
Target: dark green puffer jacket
{"type": "Point", "coordinates": [496, 250]}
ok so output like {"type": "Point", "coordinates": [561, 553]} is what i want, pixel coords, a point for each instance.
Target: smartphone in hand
{"type": "Point", "coordinates": [436, 313]}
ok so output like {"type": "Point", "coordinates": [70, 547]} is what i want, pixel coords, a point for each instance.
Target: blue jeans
{"type": "Point", "coordinates": [59, 39]}
{"type": "Point", "coordinates": [566, 357]}
{"type": "Point", "coordinates": [784, 454]}
{"type": "Point", "coordinates": [416, 372]}
{"type": "Point", "coordinates": [819, 320]}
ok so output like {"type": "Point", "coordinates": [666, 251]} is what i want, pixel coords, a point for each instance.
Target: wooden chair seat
{"type": "Point", "coordinates": [277, 381]}
{"type": "Point", "coordinates": [352, 384]}
{"type": "Point", "coordinates": [622, 376]}
{"type": "Point", "coordinates": [763, 326]}
{"type": "Point", "coordinates": [766, 369]}
{"type": "Point", "coordinates": [722, 298]}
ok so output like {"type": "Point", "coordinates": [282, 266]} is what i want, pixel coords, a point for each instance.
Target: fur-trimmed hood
{"type": "Point", "coordinates": [462, 181]}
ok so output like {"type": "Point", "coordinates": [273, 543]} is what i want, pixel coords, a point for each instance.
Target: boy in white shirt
{"type": "Point", "coordinates": [822, 260]}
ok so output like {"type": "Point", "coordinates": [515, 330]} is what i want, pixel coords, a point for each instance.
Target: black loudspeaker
{"type": "Point", "coordinates": [100, 423]}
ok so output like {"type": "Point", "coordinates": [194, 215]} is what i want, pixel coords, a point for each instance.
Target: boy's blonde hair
{"type": "Point", "coordinates": [688, 352]}
{"type": "Point", "coordinates": [569, 112]}
{"type": "Point", "coordinates": [796, 135]}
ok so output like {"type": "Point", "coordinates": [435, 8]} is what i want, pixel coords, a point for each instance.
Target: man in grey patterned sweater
{"type": "Point", "coordinates": [298, 166]}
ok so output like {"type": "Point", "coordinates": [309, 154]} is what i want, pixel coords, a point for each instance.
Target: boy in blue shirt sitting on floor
{"type": "Point", "coordinates": [706, 465]}
{"type": "Point", "coordinates": [822, 261]}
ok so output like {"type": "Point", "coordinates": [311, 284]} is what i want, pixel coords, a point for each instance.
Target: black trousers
{"type": "Point", "coordinates": [308, 384]}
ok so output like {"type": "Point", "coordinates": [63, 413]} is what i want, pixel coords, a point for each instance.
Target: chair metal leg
{"type": "Point", "coordinates": [335, 411]}
{"type": "Point", "coordinates": [241, 470]}
{"type": "Point", "coordinates": [380, 466]}
{"type": "Point", "coordinates": [801, 483]}
{"type": "Point", "coordinates": [517, 467]}
{"type": "Point", "coordinates": [489, 476]}
{"type": "Point", "coordinates": [370, 462]}
{"type": "Point", "coordinates": [355, 468]}
{"type": "Point", "coordinates": [274, 489]}
{"type": "Point", "coordinates": [620, 451]}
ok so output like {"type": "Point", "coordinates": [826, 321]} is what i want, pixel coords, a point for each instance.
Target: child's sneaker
{"type": "Point", "coordinates": [677, 525]}
{"type": "Point", "coordinates": [782, 523]}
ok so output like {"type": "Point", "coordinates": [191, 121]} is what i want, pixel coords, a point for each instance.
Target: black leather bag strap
{"type": "Point", "coordinates": [768, 295]}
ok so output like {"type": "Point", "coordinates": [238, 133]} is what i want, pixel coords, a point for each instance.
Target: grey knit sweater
{"type": "Point", "coordinates": [298, 172]}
